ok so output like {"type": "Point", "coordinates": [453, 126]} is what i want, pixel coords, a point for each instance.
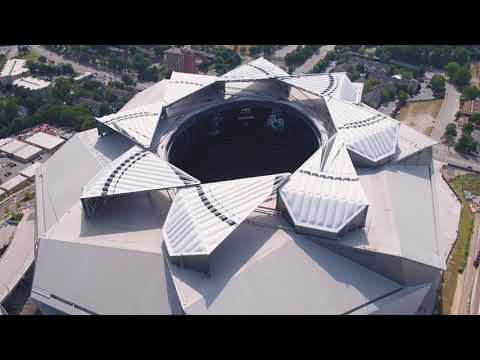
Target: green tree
{"type": "Point", "coordinates": [402, 96]}
{"type": "Point", "coordinates": [451, 130]}
{"type": "Point", "coordinates": [452, 68]}
{"type": "Point", "coordinates": [466, 144]}
{"type": "Point", "coordinates": [127, 80]}
{"type": "Point", "coordinates": [462, 76]}
{"type": "Point", "coordinates": [471, 92]}
{"type": "Point", "coordinates": [468, 128]}
{"type": "Point", "coordinates": [438, 84]}
{"type": "Point", "coordinates": [474, 119]}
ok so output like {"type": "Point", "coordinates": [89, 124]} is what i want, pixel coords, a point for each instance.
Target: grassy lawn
{"type": "Point", "coordinates": [421, 115]}
{"type": "Point", "coordinates": [459, 257]}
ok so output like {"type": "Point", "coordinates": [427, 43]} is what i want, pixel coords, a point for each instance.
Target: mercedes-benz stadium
{"type": "Point", "coordinates": [255, 192]}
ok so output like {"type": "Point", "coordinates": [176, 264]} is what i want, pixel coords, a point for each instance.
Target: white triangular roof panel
{"type": "Point", "coordinates": [325, 192]}
{"type": "Point", "coordinates": [182, 85]}
{"type": "Point", "coordinates": [203, 216]}
{"type": "Point", "coordinates": [255, 70]}
{"type": "Point", "coordinates": [134, 171]}
{"type": "Point", "coordinates": [367, 132]}
{"type": "Point", "coordinates": [138, 124]}
{"type": "Point", "coordinates": [336, 85]}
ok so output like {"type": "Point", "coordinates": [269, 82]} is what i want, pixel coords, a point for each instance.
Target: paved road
{"type": "Point", "coordinates": [310, 63]}
{"type": "Point", "coordinates": [475, 299]}
{"type": "Point", "coordinates": [282, 52]}
{"type": "Point", "coordinates": [101, 75]}
{"type": "Point", "coordinates": [447, 154]}
{"type": "Point", "coordinates": [469, 273]}
{"type": "Point", "coordinates": [449, 108]}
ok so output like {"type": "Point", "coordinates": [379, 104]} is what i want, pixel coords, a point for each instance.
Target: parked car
{"type": "Point", "coordinates": [477, 260]}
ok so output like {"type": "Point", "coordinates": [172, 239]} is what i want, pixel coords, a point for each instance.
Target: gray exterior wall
{"type": "Point", "coordinates": [401, 270]}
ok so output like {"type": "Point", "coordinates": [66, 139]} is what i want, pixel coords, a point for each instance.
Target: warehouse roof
{"type": "Point", "coordinates": [31, 83]}
{"type": "Point", "coordinates": [29, 171]}
{"type": "Point", "coordinates": [26, 152]}
{"type": "Point", "coordinates": [14, 67]}
{"type": "Point", "coordinates": [44, 140]}
{"type": "Point", "coordinates": [12, 146]}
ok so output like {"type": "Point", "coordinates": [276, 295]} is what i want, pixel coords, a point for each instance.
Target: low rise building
{"type": "Point", "coordinates": [12, 147]}
{"type": "Point", "coordinates": [14, 184]}
{"type": "Point", "coordinates": [471, 107]}
{"type": "Point", "coordinates": [45, 141]}
{"type": "Point", "coordinates": [5, 141]}
{"type": "Point", "coordinates": [181, 60]}
{"type": "Point", "coordinates": [13, 69]}
{"type": "Point", "coordinates": [27, 153]}
{"type": "Point", "coordinates": [84, 76]}
{"type": "Point", "coordinates": [32, 84]}
{"type": "Point", "coordinates": [29, 172]}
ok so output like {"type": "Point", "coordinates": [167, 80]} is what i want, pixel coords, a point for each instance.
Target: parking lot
{"type": "Point", "coordinates": [10, 168]}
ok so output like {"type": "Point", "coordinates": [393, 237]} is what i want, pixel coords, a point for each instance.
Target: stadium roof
{"type": "Point", "coordinates": [336, 85]}
{"type": "Point", "coordinates": [325, 193]}
{"type": "Point", "coordinates": [230, 247]}
{"type": "Point", "coordinates": [138, 124]}
{"type": "Point", "coordinates": [367, 132]}
{"type": "Point", "coordinates": [14, 67]}
{"type": "Point", "coordinates": [202, 217]}
{"type": "Point", "coordinates": [136, 170]}
{"type": "Point", "coordinates": [255, 70]}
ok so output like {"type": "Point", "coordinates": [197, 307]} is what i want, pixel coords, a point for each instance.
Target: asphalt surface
{"type": "Point", "coordinates": [312, 61]}
{"type": "Point", "coordinates": [282, 52]}
{"type": "Point", "coordinates": [447, 112]}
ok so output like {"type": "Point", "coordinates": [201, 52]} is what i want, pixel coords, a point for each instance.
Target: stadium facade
{"type": "Point", "coordinates": [256, 192]}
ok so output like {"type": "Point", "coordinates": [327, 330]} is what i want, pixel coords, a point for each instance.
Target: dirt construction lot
{"type": "Point", "coordinates": [475, 71]}
{"type": "Point", "coordinates": [421, 115]}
